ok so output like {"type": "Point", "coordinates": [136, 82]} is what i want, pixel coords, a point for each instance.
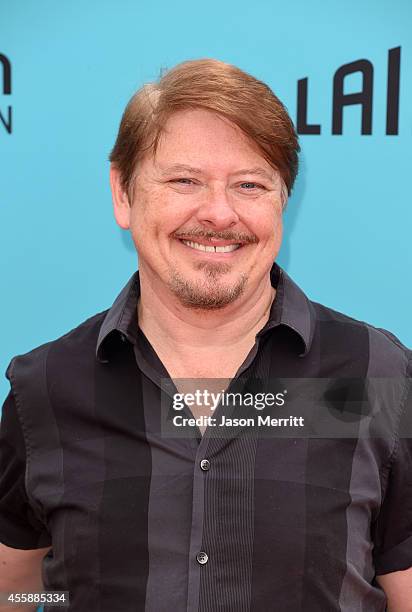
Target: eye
{"type": "Point", "coordinates": [250, 185]}
{"type": "Point", "coordinates": [182, 181]}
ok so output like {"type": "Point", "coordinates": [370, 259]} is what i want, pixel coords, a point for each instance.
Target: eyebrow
{"type": "Point", "coordinates": [184, 168]}
{"type": "Point", "coordinates": [258, 170]}
{"type": "Point", "coordinates": [180, 168]}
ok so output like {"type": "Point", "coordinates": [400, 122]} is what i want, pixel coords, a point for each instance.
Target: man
{"type": "Point", "coordinates": [126, 513]}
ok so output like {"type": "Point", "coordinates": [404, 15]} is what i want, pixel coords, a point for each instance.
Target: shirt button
{"type": "Point", "coordinates": [202, 558]}
{"type": "Point", "coordinates": [123, 337]}
{"type": "Point", "coordinates": [205, 464]}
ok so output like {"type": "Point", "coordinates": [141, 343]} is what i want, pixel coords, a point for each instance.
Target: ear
{"type": "Point", "coordinates": [121, 204]}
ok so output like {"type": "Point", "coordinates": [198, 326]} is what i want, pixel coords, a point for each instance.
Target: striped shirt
{"type": "Point", "coordinates": [260, 518]}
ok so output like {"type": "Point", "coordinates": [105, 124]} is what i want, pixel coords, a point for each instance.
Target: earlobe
{"type": "Point", "coordinates": [121, 205]}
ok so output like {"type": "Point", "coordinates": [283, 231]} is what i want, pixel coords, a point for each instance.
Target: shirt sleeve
{"type": "Point", "coordinates": [19, 526]}
{"type": "Point", "coordinates": [393, 530]}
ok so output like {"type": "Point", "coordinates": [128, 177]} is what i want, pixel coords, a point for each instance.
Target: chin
{"type": "Point", "coordinates": [200, 294]}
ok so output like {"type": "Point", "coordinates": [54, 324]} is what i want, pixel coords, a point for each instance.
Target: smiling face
{"type": "Point", "coordinates": [206, 215]}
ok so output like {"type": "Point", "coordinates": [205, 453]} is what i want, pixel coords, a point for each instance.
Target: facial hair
{"type": "Point", "coordinates": [207, 294]}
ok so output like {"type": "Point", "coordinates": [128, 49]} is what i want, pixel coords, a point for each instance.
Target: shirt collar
{"type": "Point", "coordinates": [290, 307]}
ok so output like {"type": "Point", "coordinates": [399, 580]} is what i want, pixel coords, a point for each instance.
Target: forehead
{"type": "Point", "coordinates": [199, 137]}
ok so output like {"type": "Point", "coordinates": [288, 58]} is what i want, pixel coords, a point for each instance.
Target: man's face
{"type": "Point", "coordinates": [206, 215]}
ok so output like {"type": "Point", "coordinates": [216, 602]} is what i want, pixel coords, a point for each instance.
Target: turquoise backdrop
{"type": "Point", "coordinates": [74, 65]}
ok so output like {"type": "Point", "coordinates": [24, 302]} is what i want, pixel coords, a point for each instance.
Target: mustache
{"type": "Point", "coordinates": [209, 234]}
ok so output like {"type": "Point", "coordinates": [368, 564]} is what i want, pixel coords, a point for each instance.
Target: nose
{"type": "Point", "coordinates": [216, 211]}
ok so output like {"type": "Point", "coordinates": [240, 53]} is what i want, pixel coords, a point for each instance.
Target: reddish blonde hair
{"type": "Point", "coordinates": [215, 86]}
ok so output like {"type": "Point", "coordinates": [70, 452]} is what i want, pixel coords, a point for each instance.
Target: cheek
{"type": "Point", "coordinates": [266, 225]}
{"type": "Point", "coordinates": [163, 212]}
{"type": "Point", "coordinates": [144, 218]}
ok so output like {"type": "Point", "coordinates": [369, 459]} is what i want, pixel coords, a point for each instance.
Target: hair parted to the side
{"type": "Point", "coordinates": [215, 86]}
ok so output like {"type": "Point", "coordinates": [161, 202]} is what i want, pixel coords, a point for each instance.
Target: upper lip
{"type": "Point", "coordinates": [210, 241]}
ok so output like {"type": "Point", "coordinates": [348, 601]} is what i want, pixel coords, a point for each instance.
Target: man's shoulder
{"type": "Point", "coordinates": [386, 352]}
{"type": "Point", "coordinates": [73, 346]}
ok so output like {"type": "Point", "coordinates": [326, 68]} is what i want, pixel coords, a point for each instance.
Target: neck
{"type": "Point", "coordinates": [163, 318]}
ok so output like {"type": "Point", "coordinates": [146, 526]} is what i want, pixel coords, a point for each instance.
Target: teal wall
{"type": "Point", "coordinates": [74, 66]}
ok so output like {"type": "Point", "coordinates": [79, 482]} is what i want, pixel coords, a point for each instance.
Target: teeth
{"type": "Point", "coordinates": [211, 249]}
{"type": "Point", "coordinates": [227, 249]}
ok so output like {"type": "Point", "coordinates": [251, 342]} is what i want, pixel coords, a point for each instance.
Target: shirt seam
{"type": "Point", "coordinates": [392, 338]}
{"type": "Point", "coordinates": [35, 505]}
{"type": "Point", "coordinates": [24, 428]}
{"type": "Point", "coordinates": [396, 444]}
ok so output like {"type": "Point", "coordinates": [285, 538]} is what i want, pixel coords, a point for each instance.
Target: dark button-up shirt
{"type": "Point", "coordinates": [140, 519]}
